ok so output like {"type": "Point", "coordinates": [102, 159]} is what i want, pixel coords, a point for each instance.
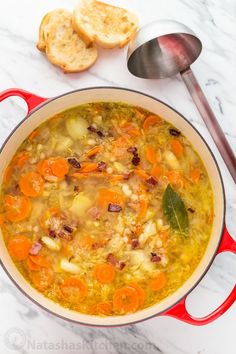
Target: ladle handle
{"type": "Point", "coordinates": [210, 120]}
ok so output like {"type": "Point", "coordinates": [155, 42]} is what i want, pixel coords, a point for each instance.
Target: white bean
{"type": "Point", "coordinates": [42, 155]}
{"type": "Point", "coordinates": [158, 243]}
{"type": "Point", "coordinates": [127, 191]}
{"type": "Point", "coordinates": [159, 224]}
{"type": "Point", "coordinates": [109, 170]}
{"type": "Point", "coordinates": [91, 142]}
{"type": "Point", "coordinates": [97, 119]}
{"type": "Point", "coordinates": [134, 197]}
{"type": "Point", "coordinates": [51, 244]}
{"type": "Point", "coordinates": [39, 147]}
{"type": "Point", "coordinates": [171, 160]}
{"type": "Point", "coordinates": [29, 148]}
{"type": "Point", "coordinates": [36, 228]}
{"type": "Point", "coordinates": [33, 160]}
{"type": "Point", "coordinates": [69, 267]}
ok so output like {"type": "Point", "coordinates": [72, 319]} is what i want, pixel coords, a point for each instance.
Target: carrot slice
{"type": "Point", "coordinates": [86, 242]}
{"type": "Point", "coordinates": [33, 135]}
{"type": "Point", "coordinates": [45, 169]}
{"type": "Point", "coordinates": [126, 300]}
{"type": "Point", "coordinates": [130, 129]}
{"type": "Point", "coordinates": [139, 112]}
{"type": "Point", "coordinates": [2, 219]}
{"type": "Point", "coordinates": [119, 147]}
{"type": "Point", "coordinates": [210, 218]}
{"type": "Point", "coordinates": [67, 250]}
{"type": "Point", "coordinates": [107, 196]}
{"type": "Point", "coordinates": [74, 289]}
{"type": "Point", "coordinates": [31, 265]}
{"type": "Point", "coordinates": [158, 283]}
{"type": "Point", "coordinates": [142, 208]}
{"type": "Point", "coordinates": [53, 170]}
{"type": "Point", "coordinates": [42, 279]}
{"type": "Point", "coordinates": [88, 167]}
{"type": "Point", "coordinates": [141, 173]}
{"type": "Point", "coordinates": [140, 291]}
{"type": "Point", "coordinates": [134, 132]}
{"type": "Point", "coordinates": [177, 147]}
{"type": "Point", "coordinates": [103, 308]}
{"type": "Point", "coordinates": [121, 141]}
{"type": "Point", "coordinates": [17, 207]}
{"type": "Point", "coordinates": [138, 229]}
{"type": "Point", "coordinates": [21, 159]}
{"type": "Point", "coordinates": [112, 177]}
{"type": "Point", "coordinates": [104, 273]}
{"type": "Point", "coordinates": [79, 175]}
{"type": "Point", "coordinates": [19, 247]}
{"type": "Point", "coordinates": [156, 171]}
{"type": "Point", "coordinates": [151, 155]}
{"type": "Point", "coordinates": [195, 175]}
{"type": "Point", "coordinates": [150, 121]}
{"type": "Point", "coordinates": [94, 151]}
{"type": "Point", "coordinates": [41, 261]}
{"type": "Point", "coordinates": [8, 174]}
{"type": "Point", "coordinates": [164, 235]}
{"type": "Point", "coordinates": [59, 166]}
{"type": "Point", "coordinates": [175, 178]}
{"type": "Point", "coordinates": [31, 184]}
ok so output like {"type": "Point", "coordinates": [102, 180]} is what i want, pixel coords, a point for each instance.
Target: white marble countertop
{"type": "Point", "coordinates": [21, 65]}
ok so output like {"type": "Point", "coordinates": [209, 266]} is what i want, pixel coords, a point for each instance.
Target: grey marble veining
{"type": "Point", "coordinates": [25, 328]}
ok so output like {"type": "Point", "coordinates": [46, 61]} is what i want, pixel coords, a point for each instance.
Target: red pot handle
{"type": "Point", "coordinates": [180, 312]}
{"type": "Point", "coordinates": [31, 99]}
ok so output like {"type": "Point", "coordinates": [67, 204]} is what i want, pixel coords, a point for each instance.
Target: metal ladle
{"type": "Point", "coordinates": [165, 48]}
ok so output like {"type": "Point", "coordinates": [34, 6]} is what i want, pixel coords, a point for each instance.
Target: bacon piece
{"type": "Point", "coordinates": [36, 247]}
{"type": "Point", "coordinates": [94, 212]}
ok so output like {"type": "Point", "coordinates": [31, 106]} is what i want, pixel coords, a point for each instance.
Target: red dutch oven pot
{"type": "Point", "coordinates": [39, 110]}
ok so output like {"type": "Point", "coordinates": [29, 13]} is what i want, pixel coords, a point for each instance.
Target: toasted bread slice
{"type": "Point", "coordinates": [47, 20]}
{"type": "Point", "coordinates": [108, 26]}
{"type": "Point", "coordinates": [63, 45]}
{"type": "Point", "coordinates": [41, 45]}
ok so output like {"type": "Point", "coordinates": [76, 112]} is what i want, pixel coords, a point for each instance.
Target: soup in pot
{"type": "Point", "coordinates": [106, 209]}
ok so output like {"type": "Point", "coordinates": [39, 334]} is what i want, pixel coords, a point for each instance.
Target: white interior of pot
{"type": "Point", "coordinates": [133, 98]}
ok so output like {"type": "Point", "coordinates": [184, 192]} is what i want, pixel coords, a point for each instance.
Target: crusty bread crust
{"type": "Point", "coordinates": [41, 45]}
{"type": "Point", "coordinates": [63, 46]}
{"type": "Point", "coordinates": [86, 38]}
{"type": "Point", "coordinates": [106, 25]}
{"type": "Point", "coordinates": [44, 28]}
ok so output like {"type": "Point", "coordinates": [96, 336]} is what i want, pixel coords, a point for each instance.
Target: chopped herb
{"type": "Point", "coordinates": [73, 162]}
{"type": "Point", "coordinates": [134, 243]}
{"type": "Point", "coordinates": [121, 265]}
{"type": "Point", "coordinates": [101, 166]}
{"type": "Point", "coordinates": [151, 181]}
{"type": "Point", "coordinates": [191, 210]}
{"type": "Point", "coordinates": [174, 132]}
{"type": "Point", "coordinates": [94, 130]}
{"type": "Point", "coordinates": [68, 229]}
{"type": "Point", "coordinates": [136, 160]}
{"type": "Point", "coordinates": [114, 208]}
{"type": "Point", "coordinates": [132, 149]}
{"type": "Point", "coordinates": [155, 258]}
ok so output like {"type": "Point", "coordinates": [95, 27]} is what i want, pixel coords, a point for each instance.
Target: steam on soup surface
{"type": "Point", "coordinates": [106, 208]}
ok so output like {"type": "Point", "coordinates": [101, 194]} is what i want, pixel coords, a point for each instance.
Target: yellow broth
{"type": "Point", "coordinates": [106, 209]}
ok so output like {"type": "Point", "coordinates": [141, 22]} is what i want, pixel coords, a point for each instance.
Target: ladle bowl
{"type": "Point", "coordinates": [165, 48]}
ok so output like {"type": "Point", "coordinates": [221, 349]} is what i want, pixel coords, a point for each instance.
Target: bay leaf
{"type": "Point", "coordinates": [175, 211]}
